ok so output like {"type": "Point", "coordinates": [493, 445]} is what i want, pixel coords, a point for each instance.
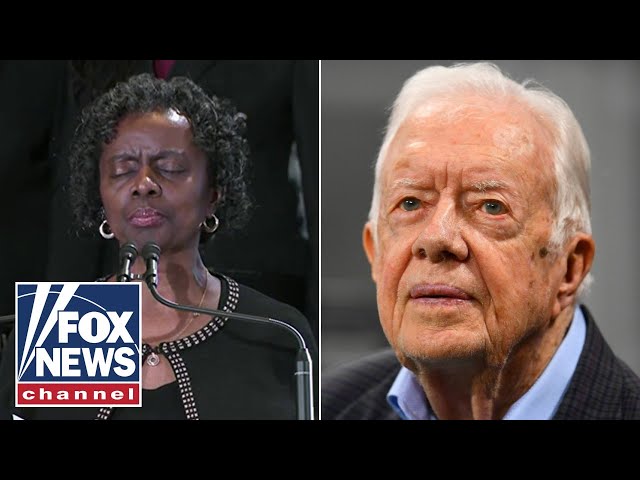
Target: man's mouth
{"type": "Point", "coordinates": [438, 292]}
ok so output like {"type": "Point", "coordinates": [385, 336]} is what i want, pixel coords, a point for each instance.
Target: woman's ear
{"type": "Point", "coordinates": [213, 198]}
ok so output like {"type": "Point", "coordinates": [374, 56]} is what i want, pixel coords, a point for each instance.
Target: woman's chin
{"type": "Point", "coordinates": [141, 236]}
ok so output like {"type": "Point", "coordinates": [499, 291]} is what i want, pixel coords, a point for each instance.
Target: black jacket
{"type": "Point", "coordinates": [602, 387]}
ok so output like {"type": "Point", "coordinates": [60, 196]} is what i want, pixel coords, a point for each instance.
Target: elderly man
{"type": "Point", "coordinates": [479, 241]}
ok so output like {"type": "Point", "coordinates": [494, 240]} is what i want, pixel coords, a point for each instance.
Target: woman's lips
{"type": "Point", "coordinates": [146, 217]}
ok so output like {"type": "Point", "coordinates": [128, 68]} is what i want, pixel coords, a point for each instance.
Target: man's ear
{"type": "Point", "coordinates": [578, 261]}
{"type": "Point", "coordinates": [369, 245]}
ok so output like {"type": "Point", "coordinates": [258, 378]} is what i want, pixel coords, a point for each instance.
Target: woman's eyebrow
{"type": "Point", "coordinates": [123, 156]}
{"type": "Point", "coordinates": [169, 152]}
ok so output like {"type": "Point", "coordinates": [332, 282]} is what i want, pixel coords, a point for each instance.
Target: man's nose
{"type": "Point", "coordinates": [145, 183]}
{"type": "Point", "coordinates": [441, 238]}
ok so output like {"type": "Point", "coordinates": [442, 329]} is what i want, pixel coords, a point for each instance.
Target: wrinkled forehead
{"type": "Point", "coordinates": [137, 122]}
{"type": "Point", "coordinates": [149, 129]}
{"type": "Point", "coordinates": [506, 125]}
{"type": "Point", "coordinates": [170, 117]}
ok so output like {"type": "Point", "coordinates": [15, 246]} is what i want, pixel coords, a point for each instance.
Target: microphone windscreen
{"type": "Point", "coordinates": [129, 250]}
{"type": "Point", "coordinates": [150, 250]}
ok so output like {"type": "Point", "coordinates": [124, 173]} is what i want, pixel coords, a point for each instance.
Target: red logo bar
{"type": "Point", "coordinates": [78, 394]}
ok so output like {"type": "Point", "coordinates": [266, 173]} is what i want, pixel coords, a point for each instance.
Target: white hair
{"type": "Point", "coordinates": [569, 149]}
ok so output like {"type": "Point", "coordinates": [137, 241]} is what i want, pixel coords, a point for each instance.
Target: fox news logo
{"type": "Point", "coordinates": [78, 344]}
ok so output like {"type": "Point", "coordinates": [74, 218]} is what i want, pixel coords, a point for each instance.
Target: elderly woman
{"type": "Point", "coordinates": [160, 161]}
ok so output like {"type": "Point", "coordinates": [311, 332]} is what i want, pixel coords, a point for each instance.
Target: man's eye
{"type": "Point", "coordinates": [493, 207]}
{"type": "Point", "coordinates": [409, 204]}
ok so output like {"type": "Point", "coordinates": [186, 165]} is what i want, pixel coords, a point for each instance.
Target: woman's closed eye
{"type": "Point", "coordinates": [172, 170]}
{"type": "Point", "coordinates": [170, 166]}
{"type": "Point", "coordinates": [124, 168]}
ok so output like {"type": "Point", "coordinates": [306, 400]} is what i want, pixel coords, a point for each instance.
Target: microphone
{"type": "Point", "coordinates": [151, 255]}
{"type": "Point", "coordinates": [303, 373]}
{"type": "Point", "coordinates": [128, 255]}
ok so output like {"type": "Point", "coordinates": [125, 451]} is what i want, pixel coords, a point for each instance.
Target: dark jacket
{"type": "Point", "coordinates": [602, 387]}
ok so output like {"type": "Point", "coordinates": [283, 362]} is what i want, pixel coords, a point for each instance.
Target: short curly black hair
{"type": "Point", "coordinates": [218, 130]}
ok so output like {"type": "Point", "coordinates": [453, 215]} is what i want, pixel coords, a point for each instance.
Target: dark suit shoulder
{"type": "Point", "coordinates": [357, 390]}
{"type": "Point", "coordinates": [603, 387]}
{"type": "Point", "coordinates": [630, 393]}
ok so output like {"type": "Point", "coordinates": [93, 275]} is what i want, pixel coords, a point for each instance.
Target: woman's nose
{"type": "Point", "coordinates": [145, 183]}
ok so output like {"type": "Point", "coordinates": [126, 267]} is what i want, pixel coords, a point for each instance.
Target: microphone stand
{"type": "Point", "coordinates": [128, 253]}
{"type": "Point", "coordinates": [303, 374]}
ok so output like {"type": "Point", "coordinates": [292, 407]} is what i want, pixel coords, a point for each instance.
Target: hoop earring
{"type": "Point", "coordinates": [210, 228]}
{"type": "Point", "coordinates": [103, 234]}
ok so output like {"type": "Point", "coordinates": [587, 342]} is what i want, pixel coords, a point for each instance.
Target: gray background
{"type": "Point", "coordinates": [356, 96]}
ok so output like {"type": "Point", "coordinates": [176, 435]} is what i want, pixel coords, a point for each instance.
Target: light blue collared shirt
{"type": "Point", "coordinates": [540, 402]}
